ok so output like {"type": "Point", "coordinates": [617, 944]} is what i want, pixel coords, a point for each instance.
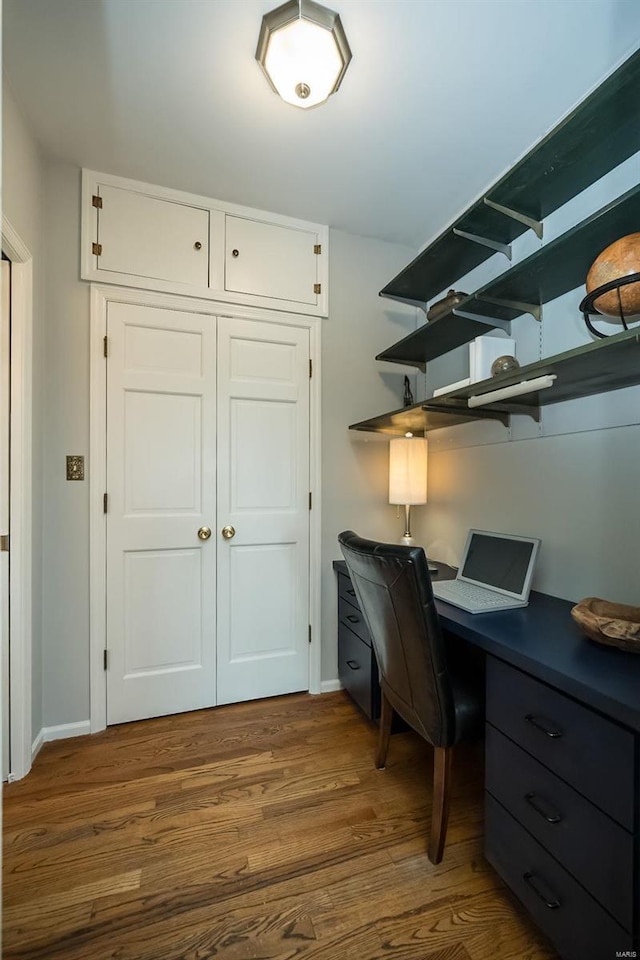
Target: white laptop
{"type": "Point", "coordinates": [495, 573]}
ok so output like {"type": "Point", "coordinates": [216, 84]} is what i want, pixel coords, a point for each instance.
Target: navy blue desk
{"type": "Point", "coordinates": [562, 808]}
{"type": "Point", "coordinates": [543, 640]}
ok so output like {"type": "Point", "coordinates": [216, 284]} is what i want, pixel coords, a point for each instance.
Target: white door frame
{"type": "Point", "coordinates": [20, 590]}
{"type": "Point", "coordinates": [100, 296]}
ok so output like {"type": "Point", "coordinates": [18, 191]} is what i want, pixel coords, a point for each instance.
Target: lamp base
{"type": "Point", "coordinates": [408, 541]}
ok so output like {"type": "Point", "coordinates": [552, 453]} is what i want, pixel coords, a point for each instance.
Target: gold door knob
{"type": "Point", "coordinates": [204, 533]}
{"type": "Point", "coordinates": [228, 532]}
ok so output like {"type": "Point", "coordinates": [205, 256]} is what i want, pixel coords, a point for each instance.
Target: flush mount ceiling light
{"type": "Point", "coordinates": [303, 51]}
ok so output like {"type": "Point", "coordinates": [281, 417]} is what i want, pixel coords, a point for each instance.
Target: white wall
{"type": "Point", "coordinates": [354, 471]}
{"type": "Point", "coordinates": [23, 192]}
{"type": "Point", "coordinates": [66, 419]}
{"type": "Point", "coordinates": [577, 492]}
{"type": "Point", "coordinates": [574, 491]}
{"type": "Point", "coordinates": [356, 387]}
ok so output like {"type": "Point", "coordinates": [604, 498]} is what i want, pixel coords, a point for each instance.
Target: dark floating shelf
{"type": "Point", "coordinates": [422, 417]}
{"type": "Point", "coordinates": [551, 271]}
{"type": "Point", "coordinates": [609, 364]}
{"type": "Point", "coordinates": [447, 332]}
{"type": "Point", "coordinates": [563, 264]}
{"type": "Point", "coordinates": [599, 134]}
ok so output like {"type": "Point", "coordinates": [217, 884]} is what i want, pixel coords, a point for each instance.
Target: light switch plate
{"type": "Point", "coordinates": [75, 468]}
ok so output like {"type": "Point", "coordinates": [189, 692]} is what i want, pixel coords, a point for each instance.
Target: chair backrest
{"type": "Point", "coordinates": [393, 588]}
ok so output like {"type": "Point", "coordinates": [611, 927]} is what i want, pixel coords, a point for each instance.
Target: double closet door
{"type": "Point", "coordinates": [207, 598]}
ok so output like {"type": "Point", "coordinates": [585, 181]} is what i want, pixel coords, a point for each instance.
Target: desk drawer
{"type": "Point", "coordinates": [578, 926]}
{"type": "Point", "coordinates": [351, 617]}
{"type": "Point", "coordinates": [356, 669]}
{"type": "Point", "coordinates": [591, 846]}
{"type": "Point", "coordinates": [592, 754]}
{"type": "Point", "coordinates": [346, 591]}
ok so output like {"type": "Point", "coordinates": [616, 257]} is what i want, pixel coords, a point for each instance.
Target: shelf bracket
{"type": "Point", "coordinates": [478, 413]}
{"type": "Point", "coordinates": [535, 225]}
{"type": "Point", "coordinates": [420, 364]}
{"type": "Point", "coordinates": [487, 321]}
{"type": "Point", "coordinates": [535, 309]}
{"type": "Point", "coordinates": [520, 409]}
{"type": "Point", "coordinates": [504, 248]}
{"type": "Point", "coordinates": [412, 303]}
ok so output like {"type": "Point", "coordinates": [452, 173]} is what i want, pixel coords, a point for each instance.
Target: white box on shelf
{"type": "Point", "coordinates": [483, 351]}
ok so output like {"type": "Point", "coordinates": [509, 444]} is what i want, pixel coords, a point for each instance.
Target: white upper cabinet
{"type": "Point", "coordinates": [144, 236]}
{"type": "Point", "coordinates": [150, 237]}
{"type": "Point", "coordinates": [263, 259]}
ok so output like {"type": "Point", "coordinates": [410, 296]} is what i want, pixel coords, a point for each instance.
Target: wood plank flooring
{"type": "Point", "coordinates": [257, 831]}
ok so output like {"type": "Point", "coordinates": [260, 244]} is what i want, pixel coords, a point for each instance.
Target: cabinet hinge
{"type": "Point", "coordinates": [96, 249]}
{"type": "Point", "coordinates": [317, 287]}
{"type": "Point", "coordinates": [310, 499]}
{"type": "Point", "coordinates": [310, 368]}
{"type": "Point", "coordinates": [96, 201]}
{"type": "Point", "coordinates": [105, 502]}
{"type": "Point", "coordinates": [317, 247]}
{"type": "Point", "coordinates": [309, 633]}
{"type": "Point", "coordinates": [105, 659]}
{"type": "Point", "coordinates": [4, 543]}
{"type": "Point", "coordinates": [105, 346]}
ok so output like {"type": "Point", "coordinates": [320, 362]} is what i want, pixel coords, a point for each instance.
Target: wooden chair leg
{"type": "Point", "coordinates": [441, 796]}
{"type": "Point", "coordinates": [386, 719]}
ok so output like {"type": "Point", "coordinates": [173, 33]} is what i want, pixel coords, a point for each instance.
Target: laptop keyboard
{"type": "Point", "coordinates": [474, 596]}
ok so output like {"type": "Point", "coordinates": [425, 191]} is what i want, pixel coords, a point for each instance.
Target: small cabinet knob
{"type": "Point", "coordinates": [228, 533]}
{"type": "Point", "coordinates": [204, 533]}
{"type": "Point", "coordinates": [235, 253]}
{"type": "Point", "coordinates": [197, 245]}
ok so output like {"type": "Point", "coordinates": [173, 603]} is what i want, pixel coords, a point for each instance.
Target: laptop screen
{"type": "Point", "coordinates": [499, 562]}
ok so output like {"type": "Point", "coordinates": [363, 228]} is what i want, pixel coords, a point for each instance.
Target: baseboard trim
{"type": "Point", "coordinates": [330, 686]}
{"type": "Point", "coordinates": [64, 730]}
{"type": "Point", "coordinates": [37, 743]}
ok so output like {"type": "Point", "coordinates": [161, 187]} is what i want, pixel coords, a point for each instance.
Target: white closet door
{"type": "Point", "coordinates": [161, 578]}
{"type": "Point", "coordinates": [263, 494]}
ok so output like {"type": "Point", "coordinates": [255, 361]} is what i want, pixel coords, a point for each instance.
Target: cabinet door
{"type": "Point", "coordinates": [356, 669]}
{"type": "Point", "coordinates": [152, 238]}
{"type": "Point", "coordinates": [266, 260]}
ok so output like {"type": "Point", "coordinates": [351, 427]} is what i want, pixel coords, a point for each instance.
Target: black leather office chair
{"type": "Point", "coordinates": [440, 695]}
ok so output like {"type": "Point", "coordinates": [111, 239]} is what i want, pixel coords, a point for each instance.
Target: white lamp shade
{"type": "Point", "coordinates": [408, 470]}
{"type": "Point", "coordinates": [303, 53]}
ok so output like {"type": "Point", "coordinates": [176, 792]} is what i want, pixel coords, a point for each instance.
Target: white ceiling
{"type": "Point", "coordinates": [440, 97]}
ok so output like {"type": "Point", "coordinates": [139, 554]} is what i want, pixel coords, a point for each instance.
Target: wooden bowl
{"type": "Point", "coordinates": [614, 624]}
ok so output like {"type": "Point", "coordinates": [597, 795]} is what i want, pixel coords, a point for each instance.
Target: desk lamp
{"type": "Point", "coordinates": [408, 478]}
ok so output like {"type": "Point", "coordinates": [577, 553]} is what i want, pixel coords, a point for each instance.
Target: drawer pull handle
{"type": "Point", "coordinates": [543, 808]}
{"type": "Point", "coordinates": [352, 619]}
{"type": "Point", "coordinates": [549, 899]}
{"type": "Point", "coordinates": [539, 725]}
{"type": "Point", "coordinates": [351, 593]}
{"type": "Point", "coordinates": [353, 664]}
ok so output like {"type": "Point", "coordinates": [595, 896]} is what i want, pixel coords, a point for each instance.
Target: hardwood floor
{"type": "Point", "coordinates": [257, 831]}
